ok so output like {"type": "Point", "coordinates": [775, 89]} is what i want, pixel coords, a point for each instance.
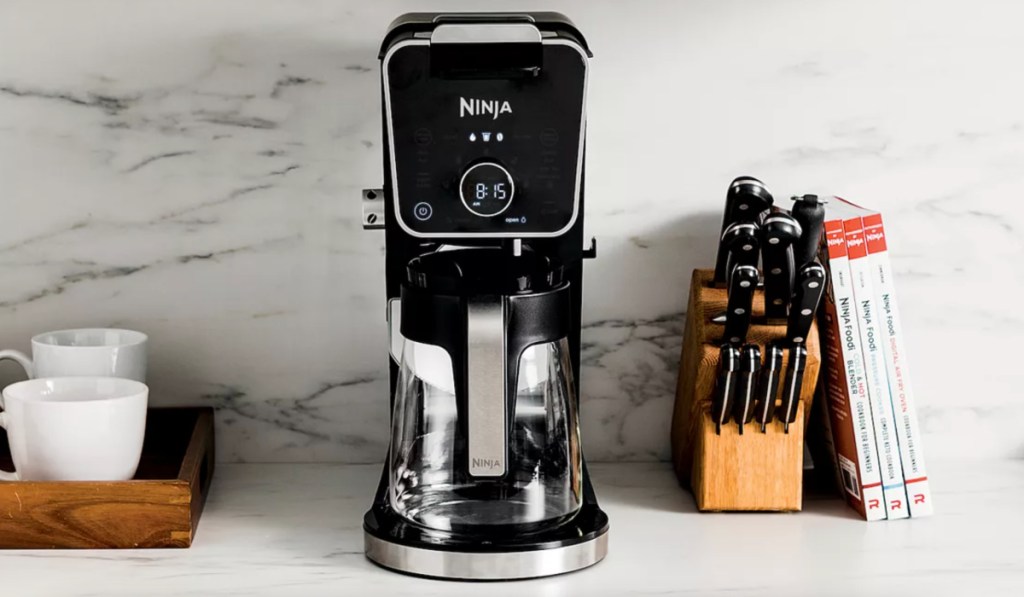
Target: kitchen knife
{"type": "Point", "coordinates": [721, 402]}
{"type": "Point", "coordinates": [810, 286]}
{"type": "Point", "coordinates": [743, 403]}
{"type": "Point", "coordinates": [745, 200]}
{"type": "Point", "coordinates": [809, 212]}
{"type": "Point", "coordinates": [749, 197]}
{"type": "Point", "coordinates": [768, 385]}
{"type": "Point", "coordinates": [741, 296]}
{"type": "Point", "coordinates": [741, 241]}
{"type": "Point", "coordinates": [778, 233]}
{"type": "Point", "coordinates": [730, 202]}
{"type": "Point", "coordinates": [792, 384]}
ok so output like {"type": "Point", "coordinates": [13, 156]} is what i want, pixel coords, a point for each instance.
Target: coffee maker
{"type": "Point", "coordinates": [482, 210]}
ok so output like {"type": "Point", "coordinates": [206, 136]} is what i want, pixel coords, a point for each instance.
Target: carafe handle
{"type": "Point", "coordinates": [487, 407]}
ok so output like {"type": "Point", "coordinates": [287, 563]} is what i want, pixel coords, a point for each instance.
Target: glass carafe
{"type": "Point", "coordinates": [431, 483]}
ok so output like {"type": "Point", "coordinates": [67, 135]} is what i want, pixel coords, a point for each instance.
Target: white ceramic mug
{"type": "Point", "coordinates": [74, 428]}
{"type": "Point", "coordinates": [94, 352]}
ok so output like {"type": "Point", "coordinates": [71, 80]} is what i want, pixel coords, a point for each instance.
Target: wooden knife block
{"type": "Point", "coordinates": [751, 472]}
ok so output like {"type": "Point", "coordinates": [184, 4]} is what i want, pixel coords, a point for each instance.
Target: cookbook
{"type": "Point", "coordinates": [848, 406]}
{"type": "Point", "coordinates": [908, 433]}
{"type": "Point", "coordinates": [889, 461]}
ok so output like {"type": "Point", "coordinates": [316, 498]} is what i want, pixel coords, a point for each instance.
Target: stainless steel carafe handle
{"type": "Point", "coordinates": [487, 408]}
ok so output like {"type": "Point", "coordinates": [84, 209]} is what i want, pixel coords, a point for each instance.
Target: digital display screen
{"type": "Point", "coordinates": [487, 189]}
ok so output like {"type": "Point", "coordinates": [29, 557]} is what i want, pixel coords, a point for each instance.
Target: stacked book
{"type": "Point", "coordinates": [871, 420]}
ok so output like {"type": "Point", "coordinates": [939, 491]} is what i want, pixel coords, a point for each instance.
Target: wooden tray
{"type": "Point", "coordinates": [160, 507]}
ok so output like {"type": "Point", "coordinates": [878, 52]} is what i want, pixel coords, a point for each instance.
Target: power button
{"type": "Point", "coordinates": [422, 211]}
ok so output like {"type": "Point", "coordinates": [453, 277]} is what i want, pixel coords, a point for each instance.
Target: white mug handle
{"type": "Point", "coordinates": [4, 475]}
{"type": "Point", "coordinates": [26, 364]}
{"type": "Point", "coordinates": [21, 358]}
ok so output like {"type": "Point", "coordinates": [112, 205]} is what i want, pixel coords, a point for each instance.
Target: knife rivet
{"type": "Point", "coordinates": [798, 339]}
{"type": "Point", "coordinates": [744, 284]}
{"type": "Point", "coordinates": [776, 270]}
{"type": "Point", "coordinates": [744, 206]}
{"type": "Point", "coordinates": [748, 247]}
{"type": "Point", "coordinates": [805, 312]}
{"type": "Point", "coordinates": [812, 285]}
{"type": "Point", "coordinates": [777, 302]}
{"type": "Point", "coordinates": [740, 311]}
{"type": "Point", "coordinates": [773, 241]}
{"type": "Point", "coordinates": [734, 339]}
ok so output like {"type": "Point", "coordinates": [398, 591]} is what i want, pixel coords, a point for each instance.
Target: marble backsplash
{"type": "Point", "coordinates": [192, 169]}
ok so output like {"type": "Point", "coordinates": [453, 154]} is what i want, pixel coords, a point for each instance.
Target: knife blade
{"type": "Point", "coordinates": [750, 363]}
{"type": "Point", "coordinates": [768, 385]}
{"type": "Point", "coordinates": [725, 389]}
{"type": "Point", "coordinates": [809, 212]}
{"type": "Point", "coordinates": [742, 241]}
{"type": "Point", "coordinates": [778, 233]}
{"type": "Point", "coordinates": [745, 200]}
{"type": "Point", "coordinates": [742, 283]}
{"type": "Point", "coordinates": [810, 286]}
{"type": "Point", "coordinates": [792, 384]}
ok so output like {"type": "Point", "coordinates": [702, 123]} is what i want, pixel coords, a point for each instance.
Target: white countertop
{"type": "Point", "coordinates": [296, 530]}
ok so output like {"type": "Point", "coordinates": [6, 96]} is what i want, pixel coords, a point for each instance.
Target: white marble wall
{"type": "Point", "coordinates": [192, 169]}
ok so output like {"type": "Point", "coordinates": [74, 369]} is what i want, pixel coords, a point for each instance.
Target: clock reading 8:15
{"type": "Point", "coordinates": [499, 191]}
{"type": "Point", "coordinates": [486, 189]}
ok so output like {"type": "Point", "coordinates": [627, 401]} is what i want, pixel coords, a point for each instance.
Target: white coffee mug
{"type": "Point", "coordinates": [95, 352]}
{"type": "Point", "coordinates": [74, 428]}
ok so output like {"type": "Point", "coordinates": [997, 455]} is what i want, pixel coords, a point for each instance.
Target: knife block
{"type": "Point", "coordinates": [731, 472]}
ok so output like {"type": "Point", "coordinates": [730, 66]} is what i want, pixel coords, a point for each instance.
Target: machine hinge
{"type": "Point", "coordinates": [373, 209]}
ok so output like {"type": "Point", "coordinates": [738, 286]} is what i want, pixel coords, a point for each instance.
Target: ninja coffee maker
{"type": "Point", "coordinates": [482, 208]}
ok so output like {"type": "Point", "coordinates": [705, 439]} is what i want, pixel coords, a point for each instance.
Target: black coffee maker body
{"type": "Point", "coordinates": [482, 208]}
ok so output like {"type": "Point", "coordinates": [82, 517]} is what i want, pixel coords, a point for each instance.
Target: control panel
{"type": "Point", "coordinates": [485, 153]}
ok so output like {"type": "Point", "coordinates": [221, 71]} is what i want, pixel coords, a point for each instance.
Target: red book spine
{"type": "Point", "coordinates": [849, 411]}
{"type": "Point", "coordinates": [877, 384]}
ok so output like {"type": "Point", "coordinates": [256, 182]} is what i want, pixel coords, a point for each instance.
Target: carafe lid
{"type": "Point", "coordinates": [485, 270]}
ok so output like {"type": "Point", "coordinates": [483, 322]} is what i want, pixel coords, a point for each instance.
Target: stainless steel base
{"type": "Point", "coordinates": [485, 566]}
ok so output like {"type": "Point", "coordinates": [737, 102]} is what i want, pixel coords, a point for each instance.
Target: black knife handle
{"type": "Point", "coordinates": [741, 297]}
{"type": "Point", "coordinates": [809, 212]}
{"type": "Point", "coordinates": [743, 403]}
{"type": "Point", "coordinates": [779, 232]}
{"type": "Point", "coordinates": [721, 262]}
{"type": "Point", "coordinates": [730, 200]}
{"type": "Point", "coordinates": [768, 385]}
{"type": "Point", "coordinates": [745, 200]}
{"type": "Point", "coordinates": [725, 389]}
{"type": "Point", "coordinates": [810, 286]}
{"type": "Point", "coordinates": [748, 198]}
{"type": "Point", "coordinates": [722, 258]}
{"type": "Point", "coordinates": [742, 241]}
{"type": "Point", "coordinates": [792, 385]}
{"type": "Point", "coordinates": [778, 281]}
